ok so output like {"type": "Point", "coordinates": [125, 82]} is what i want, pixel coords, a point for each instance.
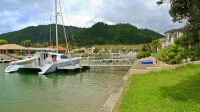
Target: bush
{"type": "Point", "coordinates": [172, 54]}
{"type": "Point", "coordinates": [143, 54]}
{"type": "Point", "coordinates": [195, 52]}
{"type": "Point", "coordinates": [20, 53]}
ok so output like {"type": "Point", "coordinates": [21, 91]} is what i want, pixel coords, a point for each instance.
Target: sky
{"type": "Point", "coordinates": [19, 14]}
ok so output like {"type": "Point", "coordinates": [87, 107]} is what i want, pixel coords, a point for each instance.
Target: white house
{"type": "Point", "coordinates": [170, 36]}
{"type": "Point", "coordinates": [91, 50]}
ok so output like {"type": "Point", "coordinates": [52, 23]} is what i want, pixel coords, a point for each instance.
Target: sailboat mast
{"type": "Point", "coordinates": [56, 14]}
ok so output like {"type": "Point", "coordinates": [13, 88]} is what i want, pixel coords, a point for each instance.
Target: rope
{"type": "Point", "coordinates": [64, 29]}
{"type": "Point", "coordinates": [46, 15]}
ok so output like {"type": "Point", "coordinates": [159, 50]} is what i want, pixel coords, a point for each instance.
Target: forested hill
{"type": "Point", "coordinates": [100, 33]}
{"type": "Point", "coordinates": [40, 34]}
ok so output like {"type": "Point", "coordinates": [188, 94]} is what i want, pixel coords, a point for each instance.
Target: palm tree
{"type": "Point", "coordinates": [155, 44]}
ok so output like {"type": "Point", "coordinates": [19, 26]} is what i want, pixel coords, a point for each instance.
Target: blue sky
{"type": "Point", "coordinates": [18, 14]}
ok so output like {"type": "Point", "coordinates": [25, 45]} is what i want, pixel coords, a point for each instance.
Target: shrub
{"type": "Point", "coordinates": [143, 54]}
{"type": "Point", "coordinates": [172, 54]}
{"type": "Point", "coordinates": [20, 53]}
{"type": "Point", "coordinates": [195, 52]}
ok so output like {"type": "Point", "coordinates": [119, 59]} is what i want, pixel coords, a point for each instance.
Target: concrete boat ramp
{"type": "Point", "coordinates": [4, 58]}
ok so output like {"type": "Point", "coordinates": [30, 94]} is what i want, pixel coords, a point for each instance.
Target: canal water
{"type": "Point", "coordinates": [58, 92]}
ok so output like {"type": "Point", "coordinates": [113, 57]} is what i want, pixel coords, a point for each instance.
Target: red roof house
{"type": "Point", "coordinates": [60, 48]}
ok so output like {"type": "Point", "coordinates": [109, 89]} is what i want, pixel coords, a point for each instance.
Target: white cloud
{"type": "Point", "coordinates": [18, 14]}
{"type": "Point", "coordinates": [143, 14]}
{"type": "Point", "coordinates": [82, 12]}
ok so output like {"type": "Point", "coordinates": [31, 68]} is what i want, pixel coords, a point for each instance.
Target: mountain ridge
{"type": "Point", "coordinates": [100, 33]}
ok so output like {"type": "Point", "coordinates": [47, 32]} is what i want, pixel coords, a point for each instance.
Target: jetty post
{"type": "Point", "coordinates": [80, 64]}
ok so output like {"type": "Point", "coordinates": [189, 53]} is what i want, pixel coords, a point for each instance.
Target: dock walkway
{"type": "Point", "coordinates": [105, 62]}
{"type": "Point", "coordinates": [77, 66]}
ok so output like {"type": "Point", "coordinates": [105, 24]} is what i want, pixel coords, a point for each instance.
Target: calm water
{"type": "Point", "coordinates": [58, 92]}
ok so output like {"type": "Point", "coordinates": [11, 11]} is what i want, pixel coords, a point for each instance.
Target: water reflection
{"type": "Point", "coordinates": [58, 92]}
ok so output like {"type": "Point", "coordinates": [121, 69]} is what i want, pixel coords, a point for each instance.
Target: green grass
{"type": "Point", "coordinates": [115, 47]}
{"type": "Point", "coordinates": [176, 90]}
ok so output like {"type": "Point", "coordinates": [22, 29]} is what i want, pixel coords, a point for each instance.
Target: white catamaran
{"type": "Point", "coordinates": [45, 62]}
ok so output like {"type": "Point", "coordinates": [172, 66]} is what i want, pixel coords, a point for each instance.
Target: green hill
{"type": "Point", "coordinates": [99, 34]}
{"type": "Point", "coordinates": [39, 34]}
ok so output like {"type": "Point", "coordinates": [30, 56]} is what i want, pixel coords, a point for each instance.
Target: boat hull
{"type": "Point", "coordinates": [42, 68]}
{"type": "Point", "coordinates": [54, 67]}
{"type": "Point", "coordinates": [25, 61]}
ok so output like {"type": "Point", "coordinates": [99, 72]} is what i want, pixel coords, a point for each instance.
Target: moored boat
{"type": "Point", "coordinates": [45, 62]}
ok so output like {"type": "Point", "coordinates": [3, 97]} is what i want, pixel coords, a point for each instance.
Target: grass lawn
{"type": "Point", "coordinates": [176, 90]}
{"type": "Point", "coordinates": [115, 47]}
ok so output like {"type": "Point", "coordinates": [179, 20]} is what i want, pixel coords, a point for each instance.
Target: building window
{"type": "Point", "coordinates": [175, 35]}
{"type": "Point", "coordinates": [170, 36]}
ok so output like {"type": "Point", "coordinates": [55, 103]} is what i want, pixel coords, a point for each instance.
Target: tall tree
{"type": "Point", "coordinates": [26, 43]}
{"type": "Point", "coordinates": [189, 11]}
{"type": "Point", "coordinates": [155, 44]}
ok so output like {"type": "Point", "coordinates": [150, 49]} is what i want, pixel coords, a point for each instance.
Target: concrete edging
{"type": "Point", "coordinates": [113, 98]}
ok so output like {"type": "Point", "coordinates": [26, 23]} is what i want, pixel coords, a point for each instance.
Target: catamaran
{"type": "Point", "coordinates": [45, 62]}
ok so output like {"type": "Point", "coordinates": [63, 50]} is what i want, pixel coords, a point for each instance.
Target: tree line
{"type": "Point", "coordinates": [40, 34]}
{"type": "Point", "coordinates": [99, 34]}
